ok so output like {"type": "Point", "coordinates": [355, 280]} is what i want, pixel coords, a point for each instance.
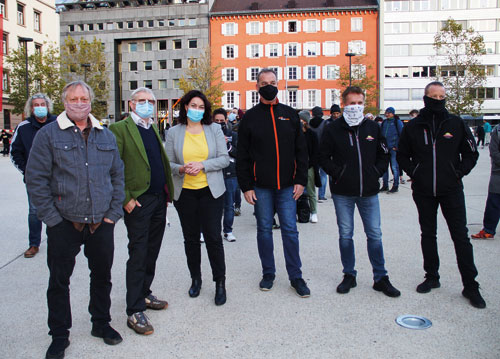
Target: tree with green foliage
{"type": "Point", "coordinates": [86, 61]}
{"type": "Point", "coordinates": [459, 67]}
{"type": "Point", "coordinates": [360, 78]}
{"type": "Point", "coordinates": [202, 76]}
{"type": "Point", "coordinates": [43, 72]}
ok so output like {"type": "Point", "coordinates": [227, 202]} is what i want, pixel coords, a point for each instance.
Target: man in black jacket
{"type": "Point", "coordinates": [436, 150]}
{"type": "Point", "coordinates": [354, 153]}
{"type": "Point", "coordinates": [271, 167]}
{"type": "Point", "coordinates": [37, 111]}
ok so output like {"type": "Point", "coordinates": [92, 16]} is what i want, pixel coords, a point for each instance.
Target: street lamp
{"type": "Point", "coordinates": [26, 40]}
{"type": "Point", "coordinates": [350, 55]}
{"type": "Point", "coordinates": [85, 69]}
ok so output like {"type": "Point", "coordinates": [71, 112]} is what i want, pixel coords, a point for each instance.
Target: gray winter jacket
{"type": "Point", "coordinates": [494, 186]}
{"type": "Point", "coordinates": [68, 178]}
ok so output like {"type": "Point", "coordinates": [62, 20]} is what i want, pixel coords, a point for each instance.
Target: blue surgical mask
{"type": "Point", "coordinates": [195, 115]}
{"type": "Point", "coordinates": [40, 111]}
{"type": "Point", "coordinates": [144, 110]}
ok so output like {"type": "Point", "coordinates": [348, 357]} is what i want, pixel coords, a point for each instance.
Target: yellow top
{"type": "Point", "coordinates": [195, 150]}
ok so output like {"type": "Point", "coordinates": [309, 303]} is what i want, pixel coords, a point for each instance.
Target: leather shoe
{"type": "Point", "coordinates": [57, 348]}
{"type": "Point", "coordinates": [427, 285]}
{"type": "Point", "coordinates": [347, 283]}
{"type": "Point", "coordinates": [194, 291]}
{"type": "Point", "coordinates": [220, 292]}
{"type": "Point", "coordinates": [108, 334]}
{"type": "Point", "coordinates": [31, 252]}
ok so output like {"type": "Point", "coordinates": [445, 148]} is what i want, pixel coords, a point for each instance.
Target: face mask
{"type": "Point", "coordinates": [77, 111]}
{"type": "Point", "coordinates": [222, 126]}
{"type": "Point", "coordinates": [195, 115]}
{"type": "Point", "coordinates": [268, 92]}
{"type": "Point", "coordinates": [232, 117]}
{"type": "Point", "coordinates": [353, 114]}
{"type": "Point", "coordinates": [144, 110]}
{"type": "Point", "coordinates": [434, 105]}
{"type": "Point", "coordinates": [40, 111]}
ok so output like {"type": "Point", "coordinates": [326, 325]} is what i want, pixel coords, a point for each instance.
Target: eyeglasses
{"type": "Point", "coordinates": [143, 102]}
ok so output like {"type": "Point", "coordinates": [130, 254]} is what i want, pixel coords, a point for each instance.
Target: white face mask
{"type": "Point", "coordinates": [353, 114]}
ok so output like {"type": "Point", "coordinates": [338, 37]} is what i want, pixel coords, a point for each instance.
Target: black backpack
{"type": "Point", "coordinates": [303, 209]}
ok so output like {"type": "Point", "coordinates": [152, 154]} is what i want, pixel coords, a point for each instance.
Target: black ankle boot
{"type": "Point", "coordinates": [220, 292]}
{"type": "Point", "coordinates": [194, 291]}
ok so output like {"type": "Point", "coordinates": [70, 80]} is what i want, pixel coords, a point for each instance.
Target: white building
{"type": "Point", "coordinates": [34, 19]}
{"type": "Point", "coordinates": [408, 29]}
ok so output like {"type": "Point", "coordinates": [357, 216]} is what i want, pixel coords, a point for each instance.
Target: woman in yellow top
{"type": "Point", "coordinates": [197, 151]}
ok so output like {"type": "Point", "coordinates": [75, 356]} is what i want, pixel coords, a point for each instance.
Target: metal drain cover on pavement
{"type": "Point", "coordinates": [413, 322]}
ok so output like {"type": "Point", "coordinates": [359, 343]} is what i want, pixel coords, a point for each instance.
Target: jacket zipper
{"type": "Point", "coordinates": [360, 166]}
{"type": "Point", "coordinates": [277, 148]}
{"type": "Point", "coordinates": [350, 139]}
{"type": "Point", "coordinates": [434, 164]}
{"type": "Point", "coordinates": [426, 141]}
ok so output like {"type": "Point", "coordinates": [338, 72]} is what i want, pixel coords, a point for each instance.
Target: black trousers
{"type": "Point", "coordinates": [63, 245]}
{"type": "Point", "coordinates": [199, 211]}
{"type": "Point", "coordinates": [145, 229]}
{"type": "Point", "coordinates": [453, 209]}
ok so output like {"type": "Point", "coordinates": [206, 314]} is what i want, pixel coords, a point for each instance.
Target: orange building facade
{"type": "Point", "coordinates": [305, 48]}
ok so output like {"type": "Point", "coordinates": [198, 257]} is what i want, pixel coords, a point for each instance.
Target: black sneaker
{"type": "Point", "coordinates": [394, 189]}
{"type": "Point", "coordinates": [57, 348]}
{"type": "Point", "coordinates": [427, 285]}
{"type": "Point", "coordinates": [107, 333]}
{"type": "Point", "coordinates": [384, 189]}
{"type": "Point", "coordinates": [347, 283]}
{"type": "Point", "coordinates": [267, 282]}
{"type": "Point", "coordinates": [474, 297]}
{"type": "Point", "coordinates": [300, 287]}
{"type": "Point", "coordinates": [385, 286]}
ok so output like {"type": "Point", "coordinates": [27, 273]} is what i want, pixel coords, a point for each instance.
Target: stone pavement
{"type": "Point", "coordinates": [275, 324]}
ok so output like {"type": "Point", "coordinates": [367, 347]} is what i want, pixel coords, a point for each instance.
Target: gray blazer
{"type": "Point", "coordinates": [217, 160]}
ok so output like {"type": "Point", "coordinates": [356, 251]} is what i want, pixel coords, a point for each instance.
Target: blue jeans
{"type": "Point", "coordinates": [34, 225]}
{"type": "Point", "coordinates": [237, 196]}
{"type": "Point", "coordinates": [369, 211]}
{"type": "Point", "coordinates": [282, 200]}
{"type": "Point", "coordinates": [395, 170]}
{"type": "Point", "coordinates": [231, 186]}
{"type": "Point", "coordinates": [324, 179]}
{"type": "Point", "coordinates": [492, 213]}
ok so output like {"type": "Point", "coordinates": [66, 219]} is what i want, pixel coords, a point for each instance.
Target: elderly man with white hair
{"type": "Point", "coordinates": [148, 186]}
{"type": "Point", "coordinates": [37, 112]}
{"type": "Point", "coordinates": [75, 179]}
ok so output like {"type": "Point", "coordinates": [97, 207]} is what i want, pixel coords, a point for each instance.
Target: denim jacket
{"type": "Point", "coordinates": [68, 178]}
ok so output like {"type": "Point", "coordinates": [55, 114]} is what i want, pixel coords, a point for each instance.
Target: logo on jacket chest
{"type": "Point", "coordinates": [369, 138]}
{"type": "Point", "coordinates": [448, 135]}
{"type": "Point", "coordinates": [283, 118]}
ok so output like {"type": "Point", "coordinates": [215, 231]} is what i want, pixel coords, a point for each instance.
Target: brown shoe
{"type": "Point", "coordinates": [31, 252]}
{"type": "Point", "coordinates": [154, 303]}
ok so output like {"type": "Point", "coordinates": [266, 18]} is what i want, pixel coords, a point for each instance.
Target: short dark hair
{"type": "Point", "coordinates": [186, 99]}
{"type": "Point", "coordinates": [219, 111]}
{"type": "Point", "coordinates": [433, 83]}
{"type": "Point", "coordinates": [352, 89]}
{"type": "Point", "coordinates": [414, 112]}
{"type": "Point", "coordinates": [266, 71]}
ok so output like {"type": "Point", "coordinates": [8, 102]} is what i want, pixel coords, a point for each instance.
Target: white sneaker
{"type": "Point", "coordinates": [314, 218]}
{"type": "Point", "coordinates": [229, 237]}
{"type": "Point", "coordinates": [202, 239]}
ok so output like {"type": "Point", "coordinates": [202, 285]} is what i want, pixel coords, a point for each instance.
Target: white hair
{"type": "Point", "coordinates": [134, 94]}
{"type": "Point", "coordinates": [29, 103]}
{"type": "Point", "coordinates": [74, 84]}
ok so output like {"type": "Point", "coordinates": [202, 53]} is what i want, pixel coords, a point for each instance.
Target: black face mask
{"type": "Point", "coordinates": [268, 92]}
{"type": "Point", "coordinates": [222, 125]}
{"type": "Point", "coordinates": [434, 105]}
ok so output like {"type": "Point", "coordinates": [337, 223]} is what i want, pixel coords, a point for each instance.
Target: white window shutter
{"type": "Point", "coordinates": [266, 27]}
{"type": "Point", "coordinates": [363, 47]}
{"type": "Point", "coordinates": [235, 51]}
{"type": "Point", "coordinates": [299, 51]}
{"type": "Point", "coordinates": [268, 50]}
{"type": "Point", "coordinates": [280, 27]}
{"type": "Point", "coordinates": [318, 72]}
{"type": "Point", "coordinates": [223, 29]}
{"type": "Point", "coordinates": [261, 50]}
{"type": "Point", "coordinates": [298, 73]}
{"type": "Point", "coordinates": [261, 27]}
{"type": "Point", "coordinates": [223, 75]}
{"type": "Point", "coordinates": [248, 27]}
{"type": "Point", "coordinates": [249, 51]}
{"type": "Point", "coordinates": [350, 46]}
{"type": "Point", "coordinates": [304, 25]}
{"type": "Point", "coordinates": [248, 97]}
{"type": "Point", "coordinates": [318, 48]}
{"type": "Point", "coordinates": [280, 50]}
{"type": "Point", "coordinates": [304, 99]}
{"type": "Point", "coordinates": [223, 48]}
{"type": "Point", "coordinates": [235, 26]}
{"type": "Point", "coordinates": [280, 73]}
{"type": "Point", "coordinates": [324, 73]}
{"type": "Point", "coordinates": [337, 24]}
{"type": "Point", "coordinates": [337, 48]}
{"type": "Point", "coordinates": [325, 49]}
{"type": "Point", "coordinates": [280, 96]}
{"type": "Point", "coordinates": [236, 76]}
{"type": "Point", "coordinates": [249, 74]}
{"type": "Point", "coordinates": [236, 94]}
{"type": "Point", "coordinates": [286, 72]}
{"type": "Point", "coordinates": [299, 99]}
{"type": "Point", "coordinates": [318, 98]}
{"type": "Point", "coordinates": [318, 25]}
{"type": "Point", "coordinates": [224, 100]}
{"type": "Point", "coordinates": [286, 26]}
{"type": "Point", "coordinates": [298, 26]}
{"type": "Point", "coordinates": [328, 98]}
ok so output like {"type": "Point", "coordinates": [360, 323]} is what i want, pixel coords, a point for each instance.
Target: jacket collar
{"type": "Point", "coordinates": [344, 124]}
{"type": "Point", "coordinates": [64, 122]}
{"type": "Point", "coordinates": [425, 116]}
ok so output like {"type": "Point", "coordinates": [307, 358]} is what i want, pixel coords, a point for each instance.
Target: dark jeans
{"type": "Point", "coordinates": [479, 140]}
{"type": "Point", "coordinates": [229, 203]}
{"type": "Point", "coordinates": [34, 225]}
{"type": "Point", "coordinates": [145, 228]}
{"type": "Point", "coordinates": [237, 196]}
{"type": "Point", "coordinates": [198, 210]}
{"type": "Point", "coordinates": [453, 209]}
{"type": "Point", "coordinates": [63, 245]}
{"type": "Point", "coordinates": [491, 213]}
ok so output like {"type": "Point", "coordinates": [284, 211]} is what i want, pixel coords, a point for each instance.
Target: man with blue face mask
{"type": "Point", "coordinates": [37, 111]}
{"type": "Point", "coordinates": [355, 154]}
{"type": "Point", "coordinates": [148, 186]}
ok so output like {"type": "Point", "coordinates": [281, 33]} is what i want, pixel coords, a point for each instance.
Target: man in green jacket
{"type": "Point", "coordinates": [148, 187]}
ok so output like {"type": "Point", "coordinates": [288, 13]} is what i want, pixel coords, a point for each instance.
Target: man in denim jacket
{"type": "Point", "coordinates": [75, 179]}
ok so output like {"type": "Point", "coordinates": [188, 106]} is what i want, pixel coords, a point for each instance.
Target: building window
{"type": "Point", "coordinates": [417, 94]}
{"type": "Point", "coordinates": [162, 84]}
{"type": "Point", "coordinates": [162, 64]}
{"type": "Point", "coordinates": [451, 71]}
{"type": "Point", "coordinates": [132, 47]}
{"type": "Point", "coordinates": [311, 26]}
{"type": "Point", "coordinates": [119, 24]}
{"type": "Point", "coordinates": [482, 25]}
{"type": "Point", "coordinates": [161, 23]}
{"type": "Point", "coordinates": [423, 71]}
{"type": "Point", "coordinates": [132, 66]}
{"type": "Point", "coordinates": [37, 16]}
{"type": "Point", "coordinates": [358, 71]}
{"type": "Point", "coordinates": [148, 84]}
{"type": "Point", "coordinates": [5, 81]}
{"type": "Point", "coordinates": [229, 51]}
{"type": "Point", "coordinates": [292, 49]}
{"type": "Point", "coordinates": [5, 44]}
{"type": "Point", "coordinates": [175, 83]}
{"type": "Point", "coordinates": [311, 48]}
{"type": "Point", "coordinates": [481, 4]}
{"type": "Point", "coordinates": [192, 63]}
{"type": "Point", "coordinates": [425, 5]}
{"type": "Point", "coordinates": [331, 25]}
{"type": "Point", "coordinates": [193, 44]}
{"type": "Point", "coordinates": [253, 28]}
{"type": "Point", "coordinates": [90, 27]}
{"type": "Point", "coordinates": [311, 98]}
{"type": "Point", "coordinates": [140, 24]}
{"type": "Point", "coordinates": [423, 50]}
{"type": "Point", "coordinates": [273, 27]}
{"type": "Point", "coordinates": [357, 24]}
{"type": "Point", "coordinates": [276, 71]}
{"type": "Point", "coordinates": [148, 65]}
{"type": "Point", "coordinates": [292, 73]}
{"type": "Point", "coordinates": [20, 14]}
{"type": "Point", "coordinates": [100, 26]}
{"type": "Point", "coordinates": [357, 47]}
{"type": "Point", "coordinates": [132, 85]}
{"type": "Point", "coordinates": [292, 26]}
{"type": "Point", "coordinates": [255, 98]}
{"type": "Point", "coordinates": [177, 63]}
{"type": "Point", "coordinates": [148, 46]}
{"type": "Point", "coordinates": [331, 48]}
{"type": "Point", "coordinates": [229, 75]}
{"type": "Point", "coordinates": [254, 50]}
{"type": "Point", "coordinates": [396, 50]}
{"type": "Point", "coordinates": [130, 24]}
{"type": "Point", "coordinates": [229, 99]}
{"type": "Point", "coordinates": [332, 72]}
{"type": "Point", "coordinates": [453, 4]}
{"type": "Point", "coordinates": [151, 23]}
{"type": "Point", "coordinates": [2, 8]}
{"type": "Point", "coordinates": [254, 72]}
{"type": "Point", "coordinates": [311, 72]}
{"type": "Point", "coordinates": [397, 5]}
{"type": "Point", "coordinates": [396, 72]}
{"type": "Point", "coordinates": [400, 28]}
{"type": "Point", "coordinates": [228, 29]}
{"type": "Point", "coordinates": [177, 44]}
{"type": "Point", "coordinates": [182, 22]}
{"type": "Point", "coordinates": [192, 22]}
{"type": "Point", "coordinates": [71, 28]}
{"type": "Point", "coordinates": [396, 94]}
{"type": "Point", "coordinates": [162, 45]}
{"type": "Point", "coordinates": [292, 98]}
{"type": "Point", "coordinates": [171, 22]}
{"type": "Point", "coordinates": [273, 50]}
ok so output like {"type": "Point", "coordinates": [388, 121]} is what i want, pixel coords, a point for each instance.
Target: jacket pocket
{"type": "Point", "coordinates": [65, 154]}
{"type": "Point", "coordinates": [341, 174]}
{"type": "Point", "coordinates": [104, 156]}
